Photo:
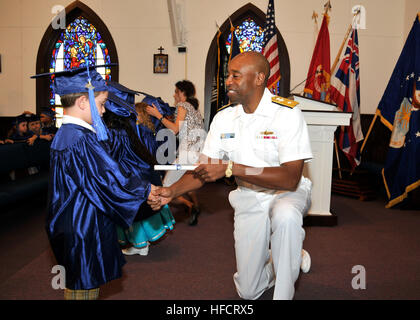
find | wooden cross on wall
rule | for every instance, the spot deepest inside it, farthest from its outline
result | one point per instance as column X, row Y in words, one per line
column 160, row 49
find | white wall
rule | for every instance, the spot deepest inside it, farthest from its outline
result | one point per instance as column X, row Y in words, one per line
column 412, row 7
column 139, row 27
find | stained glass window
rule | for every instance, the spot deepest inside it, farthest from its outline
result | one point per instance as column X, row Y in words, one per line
column 78, row 45
column 250, row 36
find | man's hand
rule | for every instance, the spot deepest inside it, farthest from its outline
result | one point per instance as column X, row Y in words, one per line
column 166, row 195
column 210, row 172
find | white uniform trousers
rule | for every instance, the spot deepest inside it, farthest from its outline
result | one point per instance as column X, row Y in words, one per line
column 263, row 220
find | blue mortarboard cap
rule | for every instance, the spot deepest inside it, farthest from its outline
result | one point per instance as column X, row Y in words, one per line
column 124, row 92
column 21, row 118
column 163, row 107
column 79, row 80
column 48, row 112
column 75, row 80
column 33, row 118
column 120, row 99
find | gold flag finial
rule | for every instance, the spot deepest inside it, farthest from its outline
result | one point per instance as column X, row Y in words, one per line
column 315, row 16
column 327, row 7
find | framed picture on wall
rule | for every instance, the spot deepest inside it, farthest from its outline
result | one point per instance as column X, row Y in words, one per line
column 160, row 63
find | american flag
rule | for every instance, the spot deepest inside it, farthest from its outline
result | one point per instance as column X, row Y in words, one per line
column 270, row 49
column 345, row 93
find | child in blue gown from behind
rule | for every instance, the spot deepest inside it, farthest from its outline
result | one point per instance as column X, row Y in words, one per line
column 89, row 192
column 137, row 157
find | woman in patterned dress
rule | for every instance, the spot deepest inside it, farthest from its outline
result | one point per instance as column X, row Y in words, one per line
column 188, row 125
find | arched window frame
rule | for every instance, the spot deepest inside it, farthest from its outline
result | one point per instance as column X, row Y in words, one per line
column 247, row 11
column 50, row 38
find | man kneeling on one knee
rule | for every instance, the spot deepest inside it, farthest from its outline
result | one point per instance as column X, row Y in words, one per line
column 263, row 141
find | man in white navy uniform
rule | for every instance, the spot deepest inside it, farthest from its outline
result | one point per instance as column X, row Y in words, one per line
column 265, row 140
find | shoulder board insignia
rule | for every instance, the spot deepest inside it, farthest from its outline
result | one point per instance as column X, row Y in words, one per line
column 284, row 102
column 225, row 106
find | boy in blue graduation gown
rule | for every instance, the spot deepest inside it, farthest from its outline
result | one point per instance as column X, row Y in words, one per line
column 88, row 193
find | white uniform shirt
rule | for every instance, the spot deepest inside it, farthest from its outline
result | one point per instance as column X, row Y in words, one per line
column 270, row 136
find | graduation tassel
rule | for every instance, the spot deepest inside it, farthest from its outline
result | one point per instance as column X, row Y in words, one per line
column 137, row 128
column 97, row 122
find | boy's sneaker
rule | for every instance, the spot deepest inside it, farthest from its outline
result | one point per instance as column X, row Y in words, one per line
column 132, row 251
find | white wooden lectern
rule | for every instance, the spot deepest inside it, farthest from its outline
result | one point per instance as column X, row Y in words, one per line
column 322, row 120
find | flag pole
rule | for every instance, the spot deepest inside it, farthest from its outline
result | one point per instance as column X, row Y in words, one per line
column 341, row 48
column 232, row 30
column 368, row 133
column 328, row 7
column 338, row 159
column 218, row 64
column 231, row 25
column 344, row 41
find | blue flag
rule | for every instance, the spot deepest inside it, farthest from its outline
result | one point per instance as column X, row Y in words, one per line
column 399, row 111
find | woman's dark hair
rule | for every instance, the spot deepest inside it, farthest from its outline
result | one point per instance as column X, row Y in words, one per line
column 114, row 121
column 188, row 89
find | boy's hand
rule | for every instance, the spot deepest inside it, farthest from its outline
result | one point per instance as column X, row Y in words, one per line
column 47, row 137
column 153, row 199
column 160, row 197
column 152, row 196
column 31, row 140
